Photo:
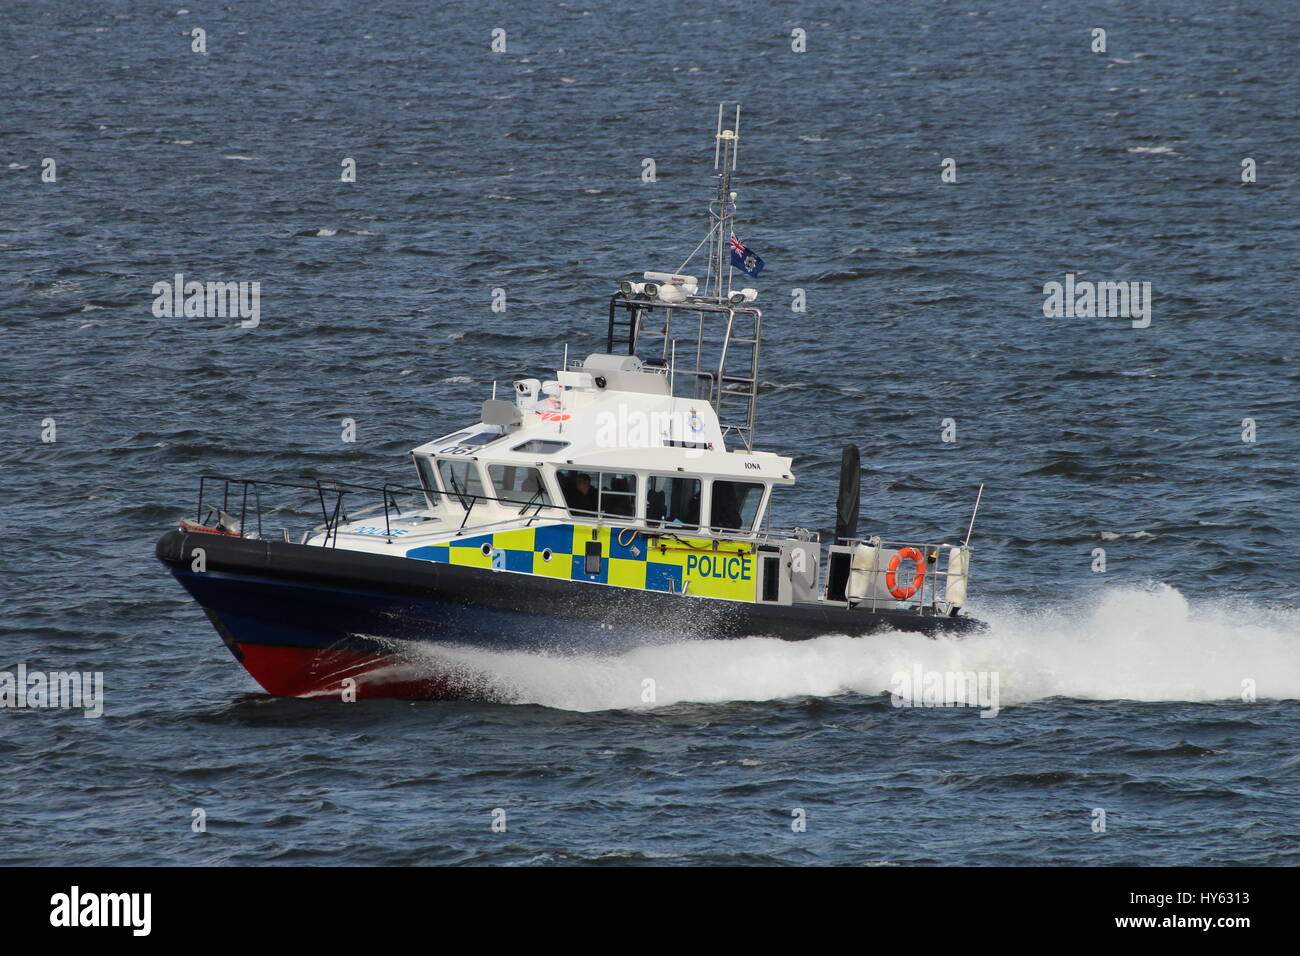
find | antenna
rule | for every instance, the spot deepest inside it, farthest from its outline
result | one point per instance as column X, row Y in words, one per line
column 717, row 142
column 735, row 149
column 973, row 513
column 730, row 381
column 722, row 210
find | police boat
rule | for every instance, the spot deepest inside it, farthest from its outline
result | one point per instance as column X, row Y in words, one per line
column 619, row 503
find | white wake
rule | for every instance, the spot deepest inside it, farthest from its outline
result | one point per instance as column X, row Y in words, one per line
column 1143, row 644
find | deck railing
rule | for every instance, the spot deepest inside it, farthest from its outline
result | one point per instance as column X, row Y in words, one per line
column 241, row 500
column 229, row 504
column 936, row 559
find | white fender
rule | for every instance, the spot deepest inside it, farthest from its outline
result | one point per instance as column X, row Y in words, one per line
column 958, row 573
column 866, row 582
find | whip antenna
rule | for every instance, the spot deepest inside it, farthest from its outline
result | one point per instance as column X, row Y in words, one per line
column 973, row 513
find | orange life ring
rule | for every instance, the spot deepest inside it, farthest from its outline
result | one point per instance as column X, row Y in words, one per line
column 891, row 579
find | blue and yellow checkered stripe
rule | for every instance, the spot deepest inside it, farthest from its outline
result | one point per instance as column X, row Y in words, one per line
column 560, row 551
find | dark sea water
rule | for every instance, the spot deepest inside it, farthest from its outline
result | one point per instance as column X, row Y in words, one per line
column 1121, row 691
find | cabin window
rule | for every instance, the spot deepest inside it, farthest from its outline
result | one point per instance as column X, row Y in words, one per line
column 618, row 494
column 673, row 501
column 521, row 485
column 427, row 480
column 460, row 480
column 735, row 505
column 594, row 492
column 540, row 446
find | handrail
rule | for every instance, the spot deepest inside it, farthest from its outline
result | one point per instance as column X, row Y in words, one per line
column 928, row 594
column 333, row 513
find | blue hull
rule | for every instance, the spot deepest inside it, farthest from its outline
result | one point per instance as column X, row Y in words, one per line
column 304, row 619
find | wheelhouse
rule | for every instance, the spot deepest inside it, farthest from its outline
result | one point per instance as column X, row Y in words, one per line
column 489, row 474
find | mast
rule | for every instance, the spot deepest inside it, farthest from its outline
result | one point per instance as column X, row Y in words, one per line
column 722, row 368
column 722, row 209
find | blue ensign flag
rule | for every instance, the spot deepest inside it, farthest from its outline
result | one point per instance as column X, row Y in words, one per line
column 745, row 259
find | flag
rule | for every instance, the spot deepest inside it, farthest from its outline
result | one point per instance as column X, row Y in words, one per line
column 745, row 259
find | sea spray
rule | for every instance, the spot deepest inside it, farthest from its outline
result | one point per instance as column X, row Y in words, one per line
column 1144, row 644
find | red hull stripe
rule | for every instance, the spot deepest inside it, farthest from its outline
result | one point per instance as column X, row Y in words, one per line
column 308, row 672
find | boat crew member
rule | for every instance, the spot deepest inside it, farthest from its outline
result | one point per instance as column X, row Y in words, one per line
column 582, row 496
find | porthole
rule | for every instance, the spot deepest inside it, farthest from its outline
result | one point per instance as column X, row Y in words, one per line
column 486, row 549
column 546, row 554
